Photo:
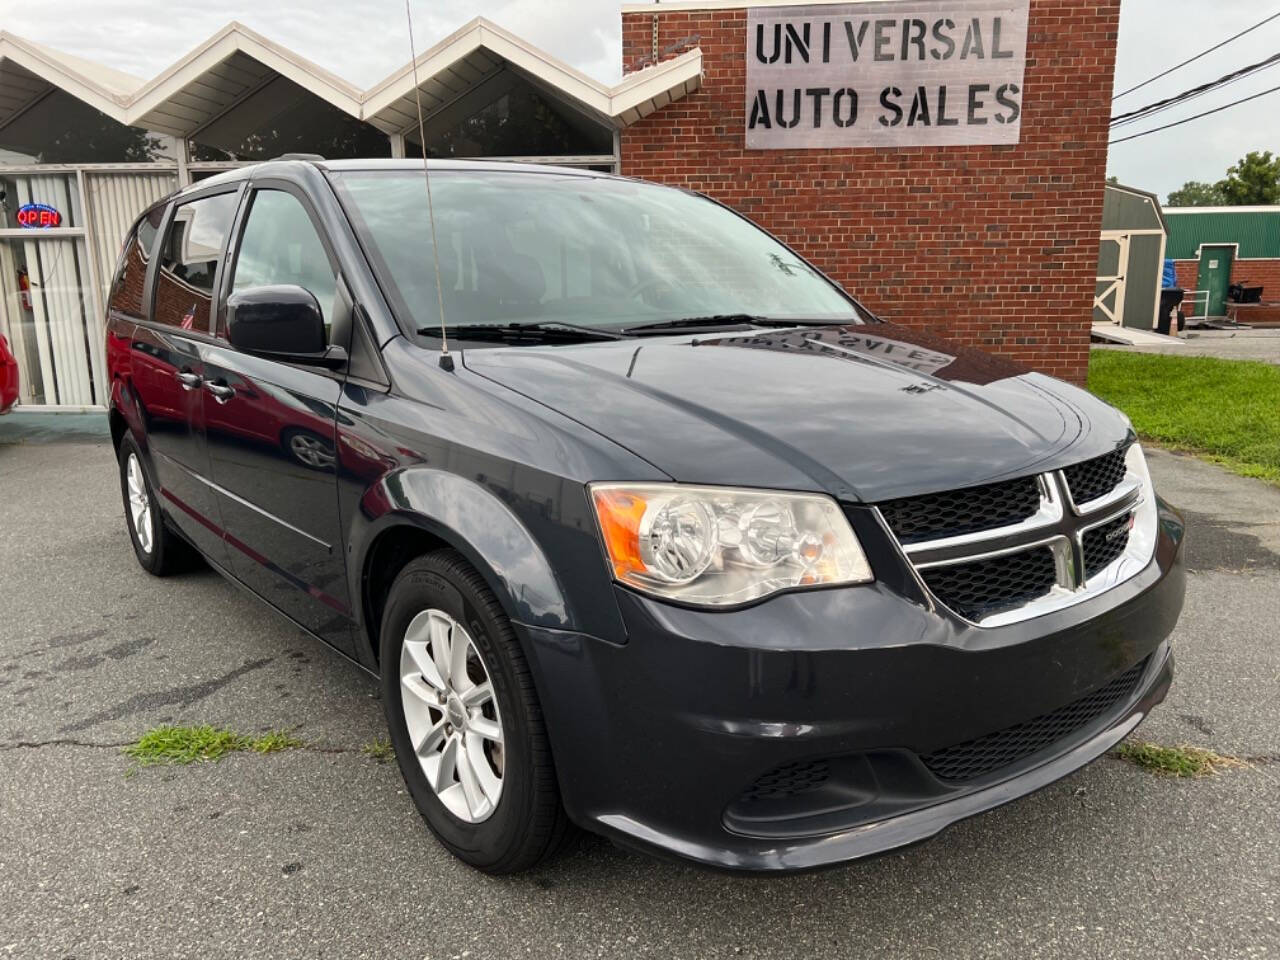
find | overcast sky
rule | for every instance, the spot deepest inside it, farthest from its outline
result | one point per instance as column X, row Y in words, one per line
column 363, row 41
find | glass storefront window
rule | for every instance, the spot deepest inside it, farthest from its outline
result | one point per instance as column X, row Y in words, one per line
column 47, row 319
column 304, row 124
column 519, row 123
column 62, row 129
column 31, row 201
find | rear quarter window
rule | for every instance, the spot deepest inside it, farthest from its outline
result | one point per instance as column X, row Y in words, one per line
column 131, row 275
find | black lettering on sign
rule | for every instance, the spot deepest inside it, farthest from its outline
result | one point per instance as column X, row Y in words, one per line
column 944, row 38
column 883, row 39
column 976, row 104
column 855, row 43
column 843, row 117
column 777, row 43
column 913, row 32
column 826, row 42
column 919, row 109
column 816, row 94
column 1004, row 94
column 760, row 113
column 973, row 41
column 890, row 105
column 943, row 119
column 780, row 113
column 799, row 42
column 996, row 52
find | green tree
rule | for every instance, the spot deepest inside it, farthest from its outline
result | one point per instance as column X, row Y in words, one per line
column 1255, row 179
column 1193, row 193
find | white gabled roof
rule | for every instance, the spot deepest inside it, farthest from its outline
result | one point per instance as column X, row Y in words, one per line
column 222, row 71
column 29, row 70
column 236, row 63
column 481, row 49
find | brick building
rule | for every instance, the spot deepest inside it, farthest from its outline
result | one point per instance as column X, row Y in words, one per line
column 994, row 244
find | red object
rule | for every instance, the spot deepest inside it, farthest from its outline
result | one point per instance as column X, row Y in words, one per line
column 39, row 215
column 8, row 377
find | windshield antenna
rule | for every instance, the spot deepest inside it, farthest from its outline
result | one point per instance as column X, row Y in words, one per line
column 446, row 360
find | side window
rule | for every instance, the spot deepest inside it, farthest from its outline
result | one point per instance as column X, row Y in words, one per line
column 131, row 276
column 280, row 246
column 189, row 261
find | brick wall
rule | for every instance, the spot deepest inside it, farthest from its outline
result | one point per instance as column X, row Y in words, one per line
column 1264, row 273
column 996, row 246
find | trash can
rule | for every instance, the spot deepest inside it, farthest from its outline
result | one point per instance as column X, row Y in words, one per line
column 1170, row 300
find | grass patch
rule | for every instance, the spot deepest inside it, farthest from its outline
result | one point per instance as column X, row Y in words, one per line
column 1183, row 761
column 379, row 750
column 1227, row 411
column 183, row 745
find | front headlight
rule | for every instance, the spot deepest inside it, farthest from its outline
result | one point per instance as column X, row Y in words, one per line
column 1142, row 535
column 719, row 546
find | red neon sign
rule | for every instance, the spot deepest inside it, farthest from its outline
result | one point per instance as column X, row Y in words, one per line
column 39, row 215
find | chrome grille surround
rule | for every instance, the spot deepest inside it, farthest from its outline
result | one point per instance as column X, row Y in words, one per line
column 1060, row 525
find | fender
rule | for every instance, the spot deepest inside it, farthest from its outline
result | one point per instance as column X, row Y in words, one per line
column 475, row 522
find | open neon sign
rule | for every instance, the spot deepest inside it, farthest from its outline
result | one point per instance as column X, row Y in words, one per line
column 39, row 215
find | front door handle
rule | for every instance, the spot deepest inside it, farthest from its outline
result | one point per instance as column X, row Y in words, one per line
column 221, row 392
column 188, row 379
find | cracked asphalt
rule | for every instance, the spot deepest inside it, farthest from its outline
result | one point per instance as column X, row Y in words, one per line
column 319, row 853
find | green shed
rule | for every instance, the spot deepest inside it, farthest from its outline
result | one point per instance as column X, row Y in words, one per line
column 1130, row 258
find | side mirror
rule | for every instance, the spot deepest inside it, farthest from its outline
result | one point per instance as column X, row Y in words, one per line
column 282, row 322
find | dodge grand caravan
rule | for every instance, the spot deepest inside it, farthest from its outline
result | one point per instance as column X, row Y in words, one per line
column 644, row 523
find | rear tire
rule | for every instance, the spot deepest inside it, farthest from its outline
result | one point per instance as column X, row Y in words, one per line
column 159, row 550
column 494, row 803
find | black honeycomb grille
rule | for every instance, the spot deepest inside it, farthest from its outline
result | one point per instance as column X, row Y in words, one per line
column 980, row 587
column 1102, row 545
column 968, row 510
column 1095, row 478
column 976, row 758
column 789, row 780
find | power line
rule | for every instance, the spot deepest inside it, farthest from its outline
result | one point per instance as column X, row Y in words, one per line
column 1191, row 94
column 1178, row 123
column 1202, row 53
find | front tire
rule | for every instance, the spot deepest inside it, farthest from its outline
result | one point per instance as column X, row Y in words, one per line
column 464, row 718
column 159, row 550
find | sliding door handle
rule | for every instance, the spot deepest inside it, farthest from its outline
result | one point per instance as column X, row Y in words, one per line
column 221, row 392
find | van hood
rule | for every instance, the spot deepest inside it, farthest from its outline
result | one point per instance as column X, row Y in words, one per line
column 861, row 412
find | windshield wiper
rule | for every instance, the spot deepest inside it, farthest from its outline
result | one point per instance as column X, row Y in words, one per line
column 726, row 319
column 552, row 329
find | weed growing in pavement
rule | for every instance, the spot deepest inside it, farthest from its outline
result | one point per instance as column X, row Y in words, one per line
column 379, row 750
column 183, row 745
column 1181, row 761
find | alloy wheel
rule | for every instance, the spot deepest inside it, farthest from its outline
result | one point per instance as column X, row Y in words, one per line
column 311, row 451
column 452, row 715
column 139, row 503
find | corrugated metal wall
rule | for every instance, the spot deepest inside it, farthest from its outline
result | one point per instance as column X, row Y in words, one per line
column 1257, row 232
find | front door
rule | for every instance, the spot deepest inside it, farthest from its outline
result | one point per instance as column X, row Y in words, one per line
column 168, row 372
column 1215, row 275
column 271, row 433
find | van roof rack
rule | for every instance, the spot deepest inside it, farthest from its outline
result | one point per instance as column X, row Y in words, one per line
column 298, row 156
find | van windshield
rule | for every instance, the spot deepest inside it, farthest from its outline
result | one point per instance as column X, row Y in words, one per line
column 521, row 248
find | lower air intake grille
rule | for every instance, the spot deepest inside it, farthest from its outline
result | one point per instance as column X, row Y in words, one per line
column 967, row 510
column 980, row 587
column 1103, row 544
column 976, row 758
column 1095, row 478
column 789, row 780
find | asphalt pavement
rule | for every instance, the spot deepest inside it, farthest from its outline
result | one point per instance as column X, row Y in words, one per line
column 318, row 852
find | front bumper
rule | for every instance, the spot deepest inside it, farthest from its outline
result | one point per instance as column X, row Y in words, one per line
column 664, row 742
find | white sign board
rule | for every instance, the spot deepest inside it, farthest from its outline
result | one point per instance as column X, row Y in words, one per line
column 885, row 74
